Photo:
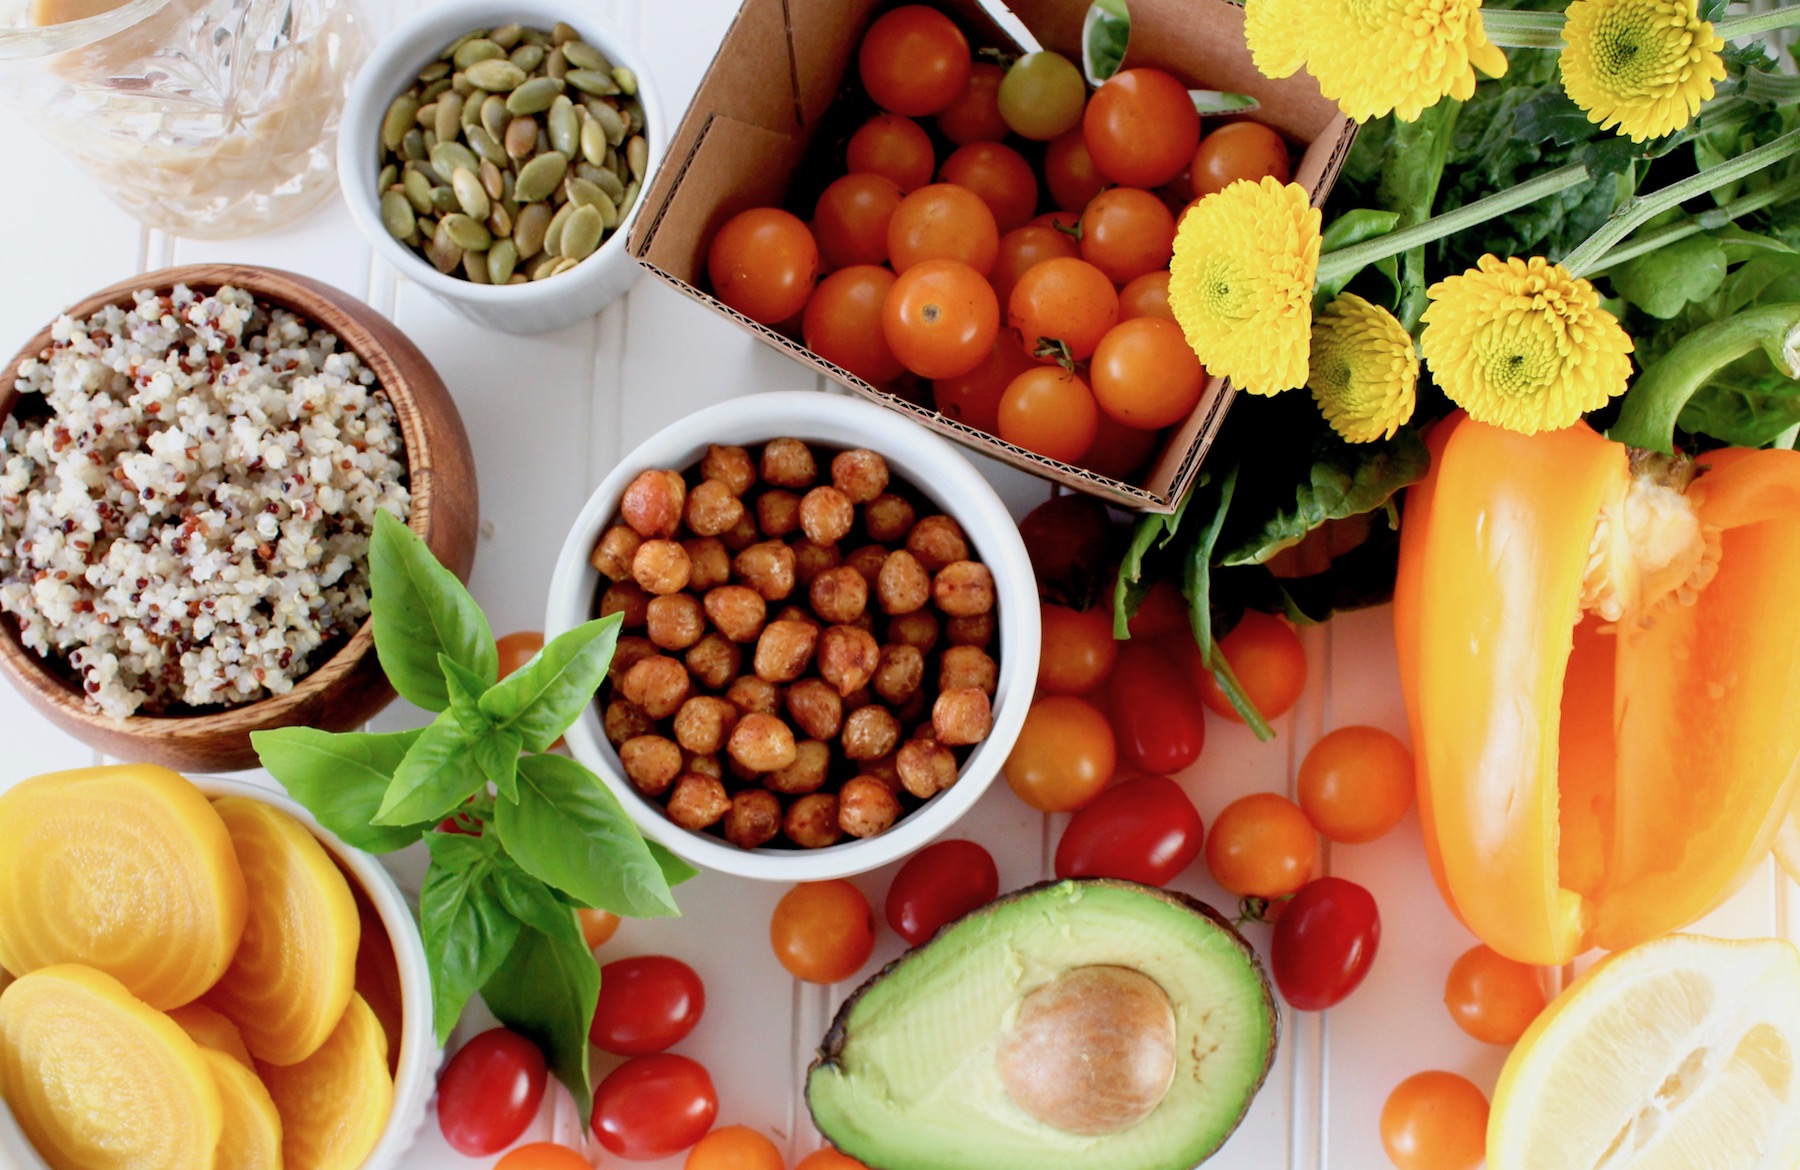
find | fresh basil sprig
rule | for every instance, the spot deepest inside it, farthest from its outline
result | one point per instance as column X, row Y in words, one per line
column 537, row 836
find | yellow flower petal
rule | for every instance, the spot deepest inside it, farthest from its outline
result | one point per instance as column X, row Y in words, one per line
column 1364, row 371
column 1644, row 66
column 1275, row 30
column 1374, row 57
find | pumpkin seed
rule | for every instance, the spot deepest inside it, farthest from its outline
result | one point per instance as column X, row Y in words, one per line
column 605, row 180
column 500, row 222
column 556, row 65
column 584, row 56
column 562, row 34
column 437, row 88
column 563, row 265
column 469, row 193
column 592, row 81
column 389, row 175
column 507, row 36
column 465, row 233
column 397, row 215
column 637, row 156
column 443, row 199
column 565, row 127
column 593, row 141
column 633, row 113
column 443, row 254
column 492, row 181
column 607, row 115
column 521, row 137
column 617, row 160
column 502, row 258
column 398, row 121
column 528, row 57
column 540, row 177
column 427, row 116
column 626, row 200
column 532, row 36
column 554, row 233
column 494, row 116
column 449, row 117
column 529, row 227
column 486, row 146
column 508, row 185
column 542, row 266
column 585, row 194
column 495, row 75
column 461, row 84
column 459, row 42
column 447, row 156
column 625, row 79
column 418, row 191
column 471, row 113
column 534, row 97
column 474, row 266
column 413, row 145
column 519, row 278
column 475, row 51
column 430, row 139
column 434, row 71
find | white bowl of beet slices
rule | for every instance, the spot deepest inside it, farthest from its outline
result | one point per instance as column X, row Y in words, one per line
column 828, row 641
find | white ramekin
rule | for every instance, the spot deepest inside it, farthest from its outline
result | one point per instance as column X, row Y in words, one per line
column 928, row 464
column 416, row 42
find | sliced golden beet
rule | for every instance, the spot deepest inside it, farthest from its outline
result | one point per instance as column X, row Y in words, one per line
column 296, row 966
column 100, row 1080
column 335, row 1103
column 209, row 1029
column 251, row 1138
column 378, row 976
column 126, row 869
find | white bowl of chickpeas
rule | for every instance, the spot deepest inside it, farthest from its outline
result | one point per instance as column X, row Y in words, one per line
column 829, row 635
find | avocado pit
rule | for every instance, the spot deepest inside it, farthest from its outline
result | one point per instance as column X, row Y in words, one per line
column 1092, row 1051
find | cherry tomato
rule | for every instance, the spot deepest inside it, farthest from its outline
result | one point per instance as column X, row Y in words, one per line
column 975, row 114
column 974, row 398
column 1050, row 410
column 890, row 145
column 1239, row 150
column 543, row 1156
column 734, row 1147
column 1024, row 248
column 1070, row 540
column 1145, row 374
column 1064, row 754
column 1324, row 943
column 1042, row 95
column 1491, row 997
column 1127, row 232
column 842, row 323
column 938, row 884
column 823, row 932
column 1146, row 296
column 1068, row 222
column 647, row 1003
column 914, row 61
column 1270, row 664
column 851, row 219
column 1078, row 650
column 940, row 319
column 1000, row 176
column 489, row 1092
column 1120, row 451
column 1062, row 300
column 1141, row 127
column 1435, row 1121
column 763, row 263
column 1356, row 783
column 653, row 1106
column 1161, row 613
column 1262, row 846
column 943, row 222
column 828, row 1159
column 1157, row 720
column 1143, row 830
column 461, row 823
column 1069, row 172
column 517, row 649
column 597, row 926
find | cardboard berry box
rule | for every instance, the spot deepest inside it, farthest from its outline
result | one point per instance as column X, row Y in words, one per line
column 769, row 123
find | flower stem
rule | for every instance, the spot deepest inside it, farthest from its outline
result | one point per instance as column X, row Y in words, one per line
column 1523, row 30
column 1706, row 221
column 1655, row 401
column 1760, row 22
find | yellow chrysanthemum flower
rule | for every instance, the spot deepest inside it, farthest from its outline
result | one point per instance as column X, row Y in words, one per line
column 1364, row 371
column 1644, row 66
column 1275, row 30
column 1523, row 345
column 1241, row 282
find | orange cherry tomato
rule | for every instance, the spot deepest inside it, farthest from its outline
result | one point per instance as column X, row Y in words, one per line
column 1120, row 451
column 940, row 318
column 1145, row 374
column 823, row 932
column 943, row 222
column 1491, row 997
column 1435, row 1121
column 1050, row 410
column 1000, row 176
column 1067, row 222
column 1141, row 127
column 1239, row 150
column 1262, row 846
column 1270, row 664
column 890, row 145
column 542, row 1156
column 1069, row 172
column 914, row 61
column 828, row 1159
column 1146, row 296
column 1126, row 233
column 843, row 322
column 1023, row 249
column 1062, row 300
column 1077, row 650
column 1356, row 783
column 1064, row 754
column 974, row 398
column 851, row 218
column 763, row 263
column 975, row 114
column 518, row 649
column 597, row 926
column 734, row 1147
column 1162, row 612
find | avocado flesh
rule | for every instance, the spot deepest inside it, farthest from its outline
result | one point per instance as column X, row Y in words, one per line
column 907, row 1079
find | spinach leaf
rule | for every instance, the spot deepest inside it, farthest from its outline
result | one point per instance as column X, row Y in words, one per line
column 1351, row 227
column 438, row 773
column 420, row 610
column 341, row 779
column 1344, row 479
column 467, row 930
column 1152, row 529
column 540, row 699
column 547, row 987
column 1104, row 35
column 1665, row 281
column 1196, row 586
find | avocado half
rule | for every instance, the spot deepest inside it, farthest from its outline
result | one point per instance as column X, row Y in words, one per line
column 908, row 1077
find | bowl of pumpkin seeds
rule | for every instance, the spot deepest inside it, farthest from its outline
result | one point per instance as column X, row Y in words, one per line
column 495, row 154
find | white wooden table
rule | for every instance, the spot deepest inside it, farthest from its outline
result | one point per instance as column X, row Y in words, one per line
column 549, row 415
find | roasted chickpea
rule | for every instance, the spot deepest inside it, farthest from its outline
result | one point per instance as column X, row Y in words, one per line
column 867, row 561
column 630, row 650
column 918, row 629
column 778, row 512
column 698, row 802
column 768, row 568
column 711, row 563
column 963, row 589
column 628, row 599
column 730, row 466
column 625, row 720
column 794, row 613
column 761, row 743
column 612, row 556
column 784, row 650
column 899, row 674
column 703, row 723
column 812, row 760
column 703, row 765
column 904, row 585
column 817, row 708
column 754, row 696
column 976, row 629
column 937, row 541
column 741, row 535
column 714, row 660
column 713, row 508
column 848, row 657
column 812, row 821
column 962, row 716
column 915, row 711
column 651, row 763
column 659, row 685
column 826, row 515
column 866, row 807
column 859, row 698
column 860, row 474
column 882, row 768
column 789, row 463
column 968, row 666
column 888, row 518
column 870, row 733
column 652, row 503
column 675, row 622
column 926, row 766
column 736, row 611
column 754, row 818
column 661, row 567
column 839, row 595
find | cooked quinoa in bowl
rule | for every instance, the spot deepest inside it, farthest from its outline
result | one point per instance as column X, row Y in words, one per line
column 187, row 487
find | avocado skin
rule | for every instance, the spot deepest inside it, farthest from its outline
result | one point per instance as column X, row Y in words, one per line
column 831, row 1047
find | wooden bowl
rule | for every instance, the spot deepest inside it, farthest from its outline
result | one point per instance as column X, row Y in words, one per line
column 348, row 688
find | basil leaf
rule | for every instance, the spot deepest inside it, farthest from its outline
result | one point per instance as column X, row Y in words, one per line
column 568, row 831
column 467, row 930
column 1132, row 585
column 341, row 780
column 674, row 870
column 546, row 991
column 465, row 688
column 420, row 610
column 541, row 698
column 497, row 755
column 437, row 774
